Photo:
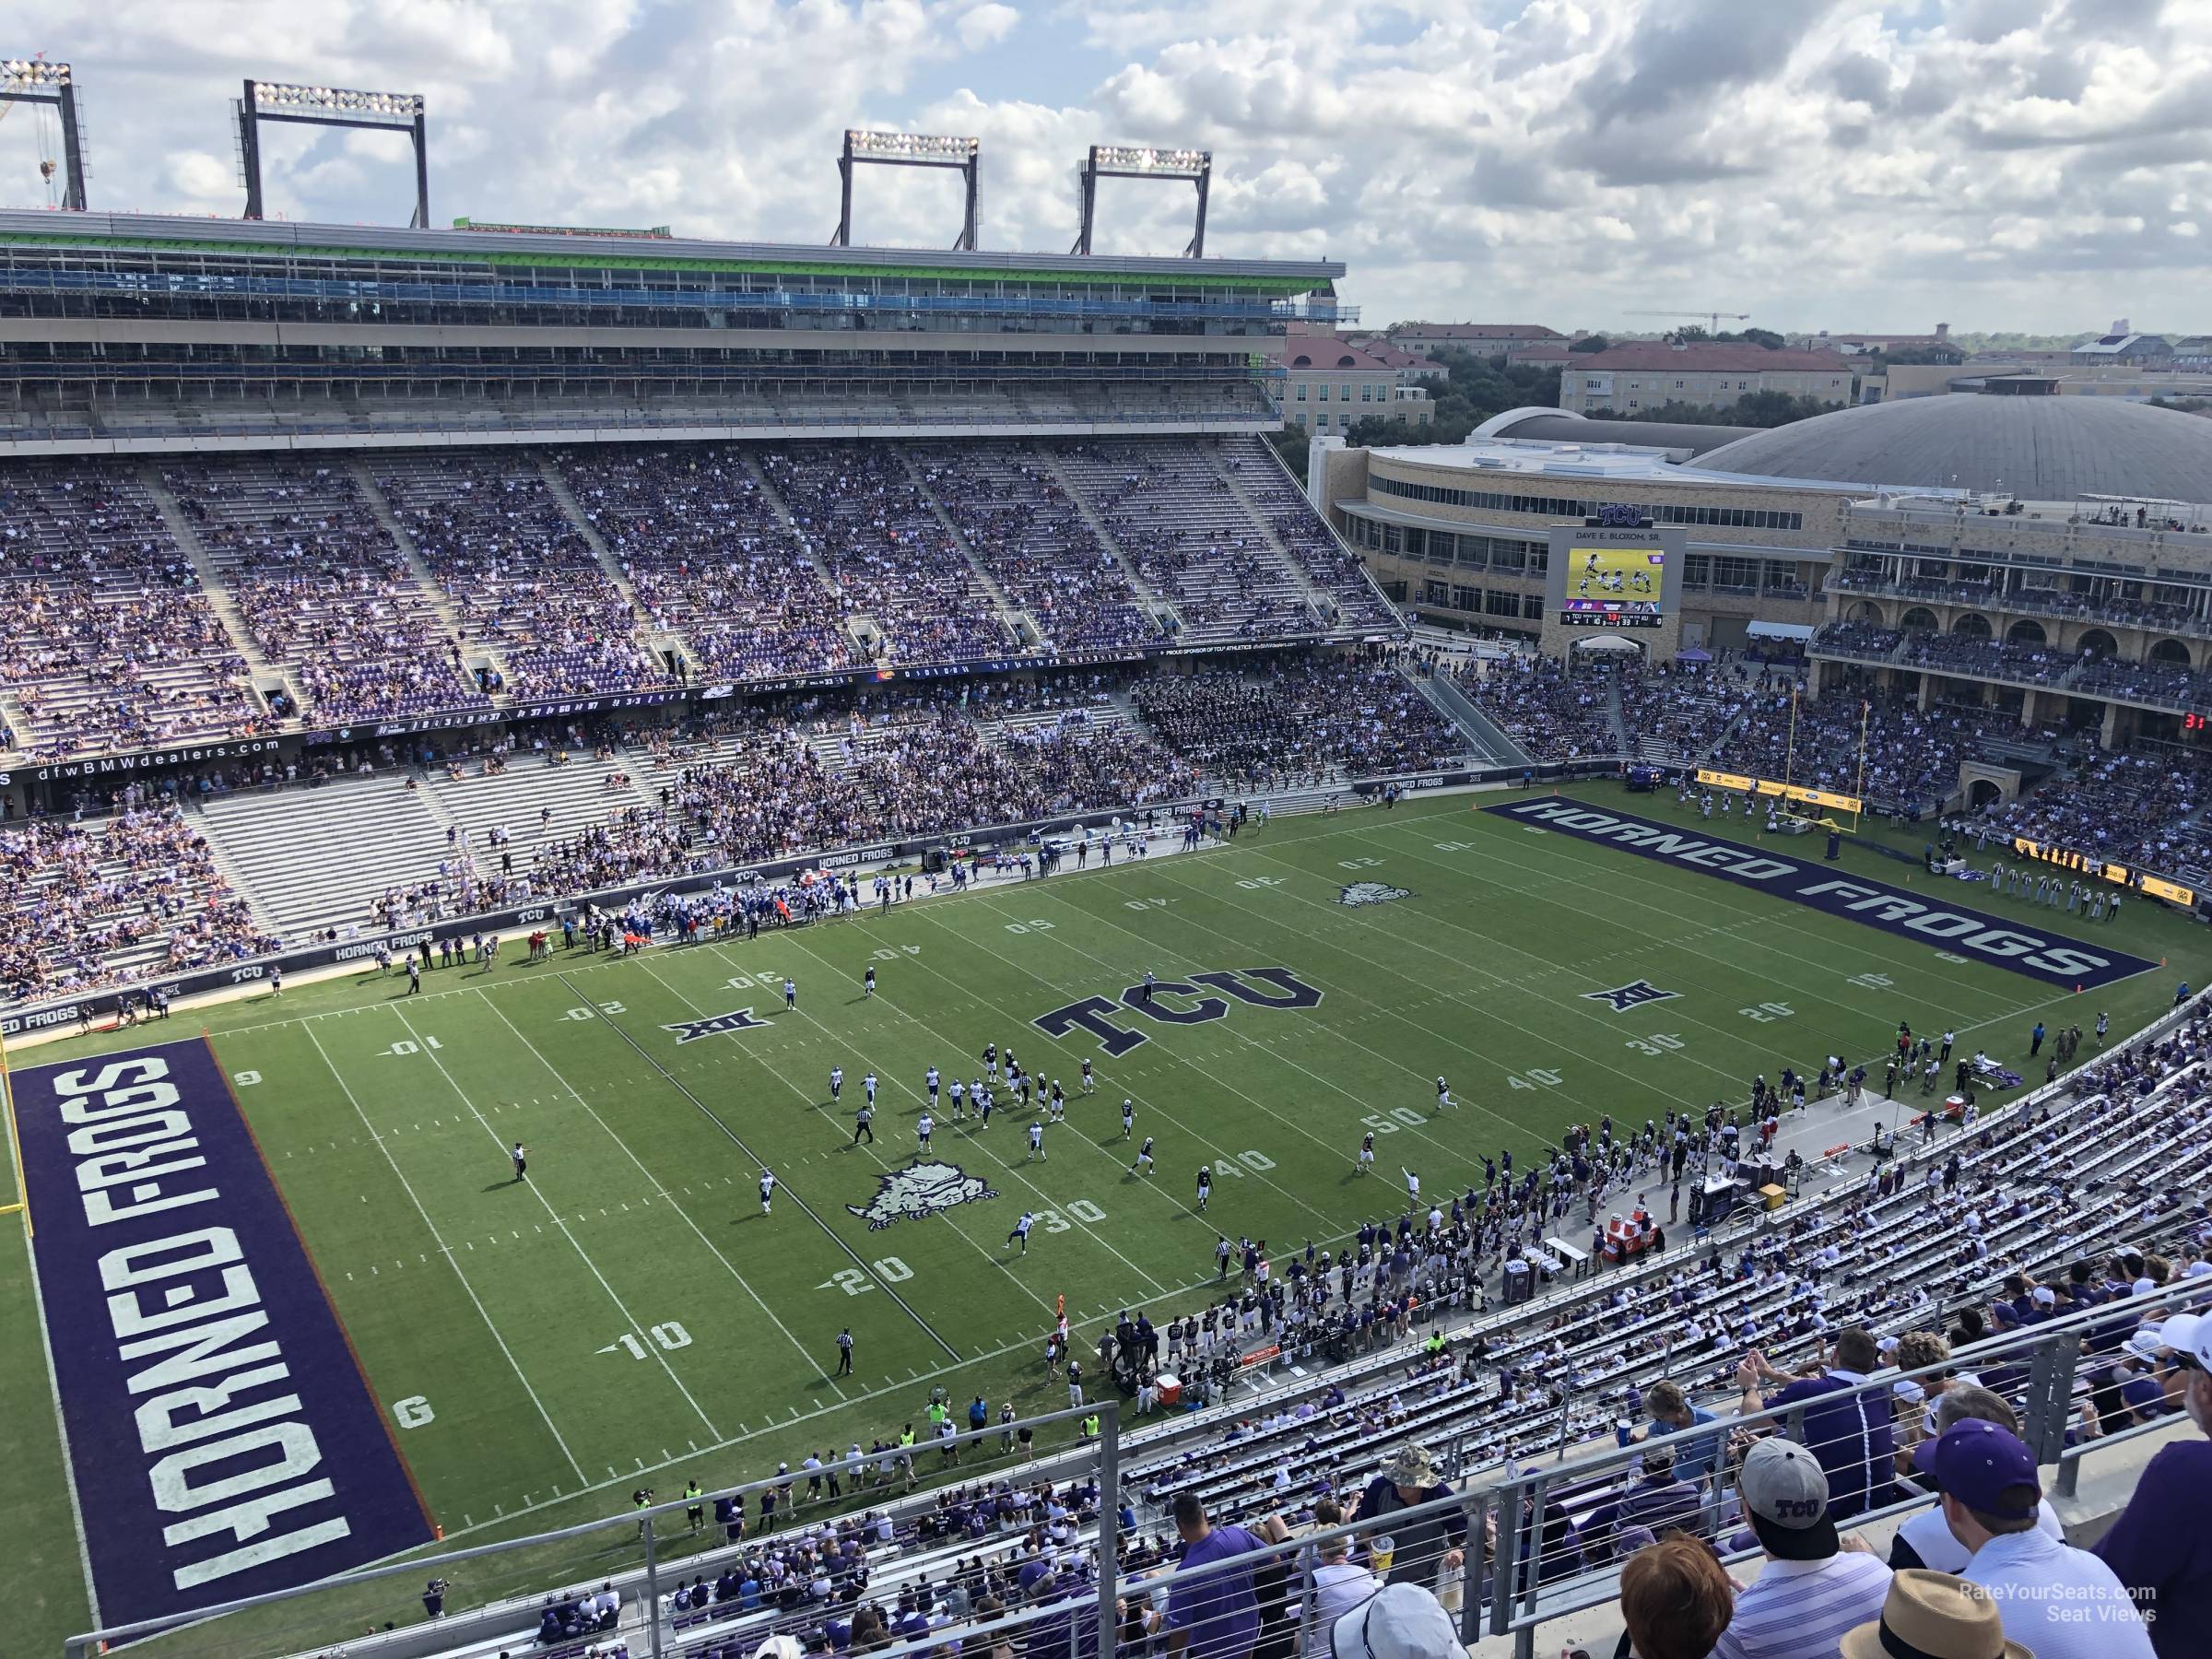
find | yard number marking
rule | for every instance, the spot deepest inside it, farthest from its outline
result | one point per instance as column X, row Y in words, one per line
column 668, row 1335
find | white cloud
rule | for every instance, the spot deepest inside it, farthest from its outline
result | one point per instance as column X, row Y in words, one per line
column 1841, row 163
column 983, row 25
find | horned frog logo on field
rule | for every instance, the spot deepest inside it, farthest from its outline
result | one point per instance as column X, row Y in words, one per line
column 919, row 1190
column 1371, row 892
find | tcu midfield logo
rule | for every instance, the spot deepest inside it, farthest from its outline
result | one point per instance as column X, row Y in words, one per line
column 1177, row 1001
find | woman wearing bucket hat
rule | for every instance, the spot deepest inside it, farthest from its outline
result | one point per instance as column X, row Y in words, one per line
column 1934, row 1616
column 1426, row 1544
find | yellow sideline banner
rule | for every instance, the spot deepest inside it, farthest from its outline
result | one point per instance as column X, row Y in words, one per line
column 1788, row 792
column 2119, row 875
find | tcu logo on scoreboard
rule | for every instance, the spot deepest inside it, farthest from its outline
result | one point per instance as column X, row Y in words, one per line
column 1177, row 1001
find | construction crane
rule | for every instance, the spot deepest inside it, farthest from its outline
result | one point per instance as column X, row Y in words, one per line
column 1713, row 319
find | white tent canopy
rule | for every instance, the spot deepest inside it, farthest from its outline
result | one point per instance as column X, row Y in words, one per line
column 1611, row 643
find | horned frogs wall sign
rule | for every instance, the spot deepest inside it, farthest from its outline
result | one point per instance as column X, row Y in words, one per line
column 919, row 1190
column 1371, row 892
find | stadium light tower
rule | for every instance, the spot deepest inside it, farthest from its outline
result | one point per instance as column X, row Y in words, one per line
column 1134, row 161
column 34, row 80
column 906, row 149
column 330, row 106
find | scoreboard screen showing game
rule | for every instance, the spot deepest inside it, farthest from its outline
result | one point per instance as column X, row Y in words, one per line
column 1623, row 580
column 1614, row 576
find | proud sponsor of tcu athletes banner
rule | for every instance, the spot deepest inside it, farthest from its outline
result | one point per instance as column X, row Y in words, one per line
column 1976, row 935
column 222, row 1439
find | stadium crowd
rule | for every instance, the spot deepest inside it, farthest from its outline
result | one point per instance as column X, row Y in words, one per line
column 1297, row 721
column 111, row 644
column 711, row 558
column 1554, row 711
column 1013, row 510
column 524, row 583
column 322, row 589
column 89, row 907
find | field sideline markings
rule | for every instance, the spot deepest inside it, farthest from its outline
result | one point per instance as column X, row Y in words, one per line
column 583, row 1256
column 1031, row 1343
column 444, row 1250
column 1424, row 1131
column 657, row 1187
column 1575, row 853
column 53, row 1382
column 881, row 1162
column 1572, row 854
column 736, row 1140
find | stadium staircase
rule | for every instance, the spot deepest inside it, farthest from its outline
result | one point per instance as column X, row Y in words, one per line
column 1318, row 605
column 1021, row 622
column 1161, row 607
column 314, row 859
column 800, row 539
column 267, row 676
column 379, row 508
column 657, row 639
column 582, row 790
column 1486, row 736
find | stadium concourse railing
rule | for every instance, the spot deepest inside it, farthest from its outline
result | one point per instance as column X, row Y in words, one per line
column 26, row 1020
column 1521, row 1565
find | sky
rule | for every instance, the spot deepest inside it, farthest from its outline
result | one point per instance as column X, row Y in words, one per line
column 2042, row 165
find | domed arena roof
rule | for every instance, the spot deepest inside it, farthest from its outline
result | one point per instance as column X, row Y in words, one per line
column 2038, row 449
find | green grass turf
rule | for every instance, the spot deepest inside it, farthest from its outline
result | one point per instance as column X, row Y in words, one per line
column 506, row 1305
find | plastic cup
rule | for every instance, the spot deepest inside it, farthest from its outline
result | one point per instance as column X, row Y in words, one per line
column 1382, row 1552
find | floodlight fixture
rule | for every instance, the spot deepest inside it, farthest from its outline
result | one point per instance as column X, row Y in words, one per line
column 281, row 95
column 1144, row 161
column 330, row 106
column 906, row 149
column 35, row 80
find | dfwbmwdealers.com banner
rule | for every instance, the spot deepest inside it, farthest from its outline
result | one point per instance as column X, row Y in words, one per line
column 222, row 1439
column 2056, row 959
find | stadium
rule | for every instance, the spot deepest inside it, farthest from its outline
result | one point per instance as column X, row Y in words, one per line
column 549, row 775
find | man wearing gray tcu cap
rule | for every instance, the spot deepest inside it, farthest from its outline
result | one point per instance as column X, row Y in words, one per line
column 1815, row 1586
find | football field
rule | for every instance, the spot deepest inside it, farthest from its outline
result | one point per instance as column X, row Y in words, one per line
column 526, row 1351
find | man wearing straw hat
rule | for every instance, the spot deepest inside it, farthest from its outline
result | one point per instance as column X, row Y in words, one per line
column 1934, row 1616
column 1426, row 1544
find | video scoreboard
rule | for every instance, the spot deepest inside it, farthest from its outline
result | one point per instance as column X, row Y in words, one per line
column 1616, row 571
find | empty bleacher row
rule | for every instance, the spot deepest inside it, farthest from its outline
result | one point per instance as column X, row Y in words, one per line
column 438, row 580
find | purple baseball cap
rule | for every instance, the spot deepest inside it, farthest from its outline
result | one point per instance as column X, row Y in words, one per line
column 1979, row 1462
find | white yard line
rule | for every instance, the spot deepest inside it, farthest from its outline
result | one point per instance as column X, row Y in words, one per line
column 659, row 1189
column 882, row 1162
column 629, row 1320
column 1013, row 1170
column 451, row 1260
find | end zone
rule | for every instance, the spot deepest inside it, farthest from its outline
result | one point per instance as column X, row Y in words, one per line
column 221, row 1440
column 2055, row 959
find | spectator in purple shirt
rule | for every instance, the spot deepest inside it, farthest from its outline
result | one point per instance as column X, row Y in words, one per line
column 1216, row 1615
column 2160, row 1547
column 1850, row 1434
